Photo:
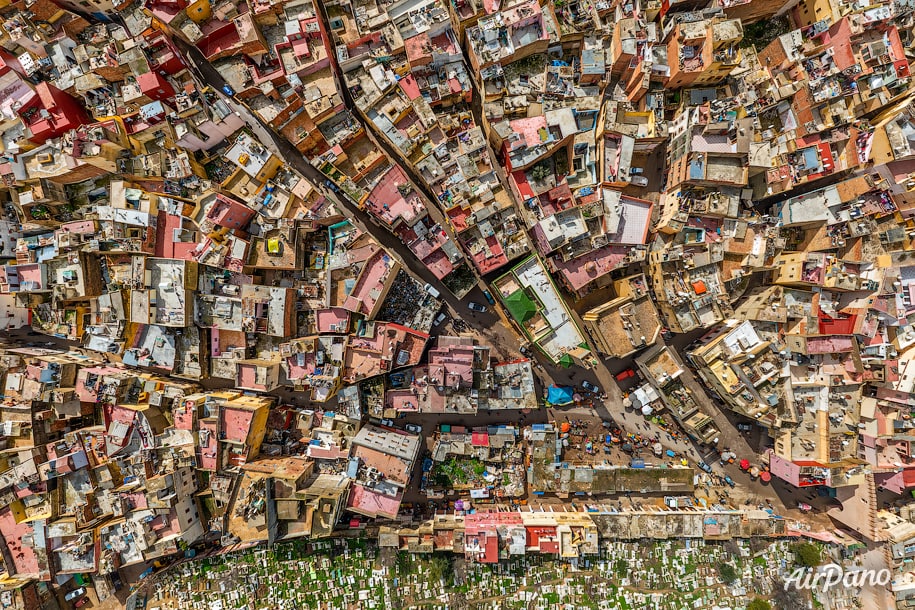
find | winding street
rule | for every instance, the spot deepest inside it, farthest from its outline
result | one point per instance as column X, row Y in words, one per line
column 485, row 324
column 494, row 328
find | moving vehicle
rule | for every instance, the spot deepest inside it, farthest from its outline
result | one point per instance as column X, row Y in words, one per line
column 430, row 289
column 75, row 593
column 228, row 90
column 414, row 428
column 476, row 307
column 489, row 298
column 590, row 387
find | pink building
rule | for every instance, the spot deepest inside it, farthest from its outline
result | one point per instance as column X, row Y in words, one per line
column 229, row 213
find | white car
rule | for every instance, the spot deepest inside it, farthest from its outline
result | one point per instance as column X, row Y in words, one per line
column 387, row 422
column 439, row 319
column 639, row 180
column 414, row 428
column 476, row 307
column 430, row 289
column 75, row 593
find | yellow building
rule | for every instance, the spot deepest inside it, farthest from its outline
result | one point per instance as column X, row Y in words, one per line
column 199, row 11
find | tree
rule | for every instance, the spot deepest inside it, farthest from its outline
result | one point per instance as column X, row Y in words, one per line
column 759, row 604
column 727, row 573
column 789, row 598
column 806, row 554
column 541, row 171
column 761, row 33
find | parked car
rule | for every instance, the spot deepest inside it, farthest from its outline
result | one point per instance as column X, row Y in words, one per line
column 330, row 184
column 489, row 298
column 439, row 319
column 744, row 427
column 590, row 387
column 639, row 180
column 429, row 288
column 476, row 307
column 228, row 90
column 729, row 481
column 622, row 375
column 81, row 602
column 75, row 593
column 387, row 422
column 415, row 429
column 705, row 467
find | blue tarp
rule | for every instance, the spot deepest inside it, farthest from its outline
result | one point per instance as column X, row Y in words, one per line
column 560, row 395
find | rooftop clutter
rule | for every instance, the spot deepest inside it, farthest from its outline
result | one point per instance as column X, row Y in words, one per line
column 661, row 165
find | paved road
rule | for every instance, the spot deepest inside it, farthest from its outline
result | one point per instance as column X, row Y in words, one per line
column 490, row 325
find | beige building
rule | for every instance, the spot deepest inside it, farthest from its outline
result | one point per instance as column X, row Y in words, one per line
column 627, row 323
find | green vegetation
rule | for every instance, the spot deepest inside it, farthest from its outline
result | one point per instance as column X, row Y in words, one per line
column 806, row 554
column 345, row 573
column 459, row 472
column 727, row 572
column 460, row 281
column 440, row 567
column 761, row 33
column 541, row 171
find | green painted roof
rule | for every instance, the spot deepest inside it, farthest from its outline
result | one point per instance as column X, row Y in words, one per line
column 520, row 306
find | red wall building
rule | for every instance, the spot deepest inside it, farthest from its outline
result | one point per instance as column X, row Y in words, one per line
column 51, row 112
